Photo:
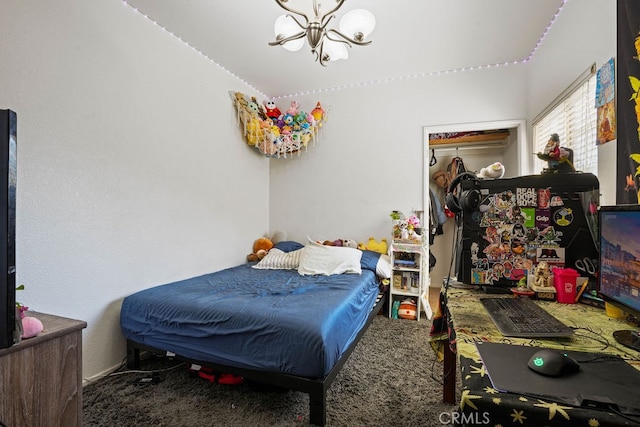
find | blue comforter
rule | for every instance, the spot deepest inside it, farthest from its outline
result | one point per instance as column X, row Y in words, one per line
column 270, row 320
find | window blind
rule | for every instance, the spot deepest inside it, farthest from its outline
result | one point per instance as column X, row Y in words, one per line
column 573, row 117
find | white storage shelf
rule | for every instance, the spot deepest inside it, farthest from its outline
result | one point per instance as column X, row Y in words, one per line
column 407, row 276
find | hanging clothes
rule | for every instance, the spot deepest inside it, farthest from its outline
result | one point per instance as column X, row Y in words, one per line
column 455, row 168
column 437, row 218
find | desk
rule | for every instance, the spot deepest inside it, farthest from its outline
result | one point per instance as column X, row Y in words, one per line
column 461, row 321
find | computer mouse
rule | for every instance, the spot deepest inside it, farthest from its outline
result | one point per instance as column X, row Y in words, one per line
column 553, row 363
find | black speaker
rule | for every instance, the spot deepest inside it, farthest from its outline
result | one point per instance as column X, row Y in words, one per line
column 467, row 200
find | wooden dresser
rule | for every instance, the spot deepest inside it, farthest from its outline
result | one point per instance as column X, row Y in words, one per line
column 41, row 377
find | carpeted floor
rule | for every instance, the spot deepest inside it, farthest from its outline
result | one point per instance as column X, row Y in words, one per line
column 391, row 379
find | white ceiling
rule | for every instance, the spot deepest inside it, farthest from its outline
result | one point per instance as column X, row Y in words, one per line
column 412, row 38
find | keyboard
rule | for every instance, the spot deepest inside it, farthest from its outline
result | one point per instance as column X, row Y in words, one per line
column 521, row 317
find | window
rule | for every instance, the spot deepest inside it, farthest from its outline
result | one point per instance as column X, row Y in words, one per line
column 573, row 117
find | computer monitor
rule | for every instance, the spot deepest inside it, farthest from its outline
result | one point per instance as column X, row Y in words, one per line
column 619, row 259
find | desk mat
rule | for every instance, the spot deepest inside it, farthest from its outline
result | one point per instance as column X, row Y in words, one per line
column 603, row 381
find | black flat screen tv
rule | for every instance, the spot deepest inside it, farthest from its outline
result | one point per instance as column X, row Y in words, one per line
column 619, row 279
column 8, row 164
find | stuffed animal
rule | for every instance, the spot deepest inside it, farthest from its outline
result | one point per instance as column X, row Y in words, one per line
column 494, row 170
column 259, row 108
column 240, row 100
column 31, row 327
column 408, row 309
column 272, row 109
column 349, row 243
column 375, row 246
column 318, row 112
column 254, row 131
column 260, row 248
column 293, row 110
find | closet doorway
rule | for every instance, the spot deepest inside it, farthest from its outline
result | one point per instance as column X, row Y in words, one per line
column 499, row 141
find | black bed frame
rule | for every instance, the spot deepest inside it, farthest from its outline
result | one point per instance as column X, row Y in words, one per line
column 315, row 387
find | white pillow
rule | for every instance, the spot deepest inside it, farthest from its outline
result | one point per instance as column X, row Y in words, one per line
column 328, row 260
column 383, row 267
column 276, row 259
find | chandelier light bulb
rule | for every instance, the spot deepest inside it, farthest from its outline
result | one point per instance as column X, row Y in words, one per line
column 284, row 27
column 358, row 24
column 334, row 51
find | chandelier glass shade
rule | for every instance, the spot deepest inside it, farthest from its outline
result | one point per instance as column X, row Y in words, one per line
column 327, row 44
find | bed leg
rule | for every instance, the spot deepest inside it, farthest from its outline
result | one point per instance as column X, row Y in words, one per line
column 133, row 356
column 318, row 407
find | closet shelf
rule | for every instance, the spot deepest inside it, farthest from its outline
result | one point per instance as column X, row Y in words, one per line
column 471, row 139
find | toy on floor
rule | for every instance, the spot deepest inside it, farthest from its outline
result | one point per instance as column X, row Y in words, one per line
column 212, row 376
column 408, row 309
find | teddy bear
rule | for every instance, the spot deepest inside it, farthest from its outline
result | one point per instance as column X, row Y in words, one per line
column 242, row 105
column 260, row 248
column 264, row 244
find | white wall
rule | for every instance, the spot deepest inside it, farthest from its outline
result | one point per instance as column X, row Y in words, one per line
column 369, row 159
column 584, row 34
column 131, row 170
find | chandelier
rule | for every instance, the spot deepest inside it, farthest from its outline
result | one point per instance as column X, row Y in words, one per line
column 327, row 44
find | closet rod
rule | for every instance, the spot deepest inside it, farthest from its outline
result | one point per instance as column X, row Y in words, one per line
column 469, row 147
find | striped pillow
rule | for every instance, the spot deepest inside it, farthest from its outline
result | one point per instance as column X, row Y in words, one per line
column 276, row 259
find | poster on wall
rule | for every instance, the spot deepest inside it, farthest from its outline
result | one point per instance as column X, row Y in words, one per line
column 628, row 57
column 605, row 102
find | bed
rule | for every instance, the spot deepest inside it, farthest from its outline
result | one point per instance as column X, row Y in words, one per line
column 283, row 321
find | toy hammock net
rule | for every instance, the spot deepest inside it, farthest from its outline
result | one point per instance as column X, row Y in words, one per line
column 275, row 133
